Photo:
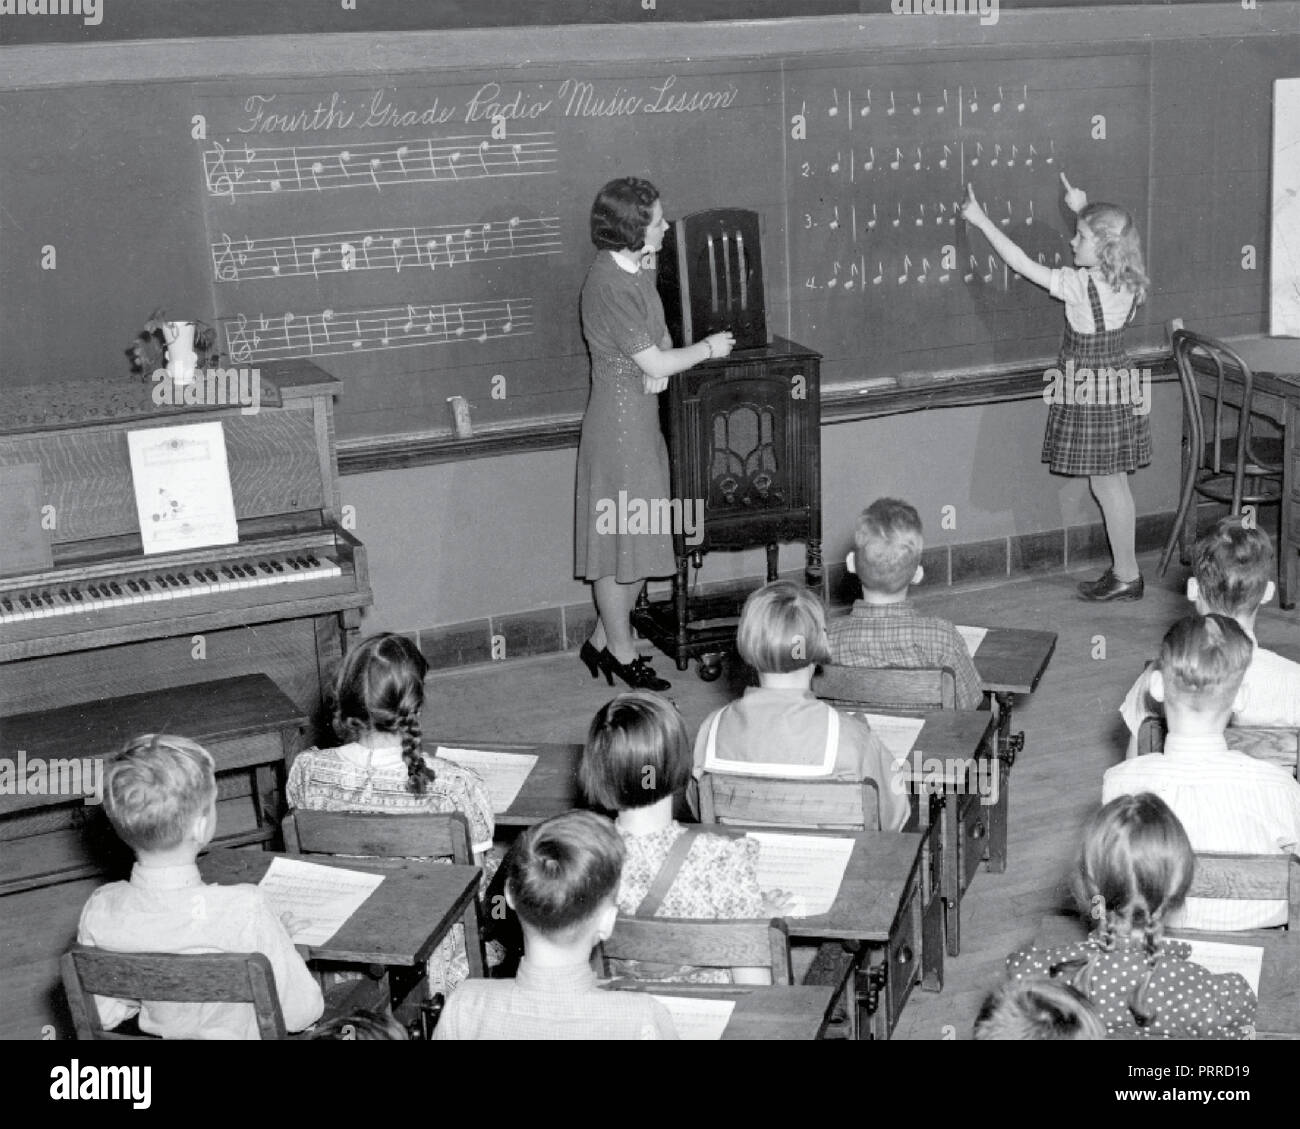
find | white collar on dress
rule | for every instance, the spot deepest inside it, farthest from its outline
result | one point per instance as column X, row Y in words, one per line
column 635, row 269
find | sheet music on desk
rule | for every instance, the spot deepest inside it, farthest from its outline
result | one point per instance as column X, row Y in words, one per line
column 1221, row 957
column 317, row 899
column 897, row 734
column 696, row 1018
column 503, row 773
column 811, row 867
column 972, row 637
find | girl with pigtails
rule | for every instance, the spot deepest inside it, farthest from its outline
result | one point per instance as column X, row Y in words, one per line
column 382, row 766
column 1135, row 871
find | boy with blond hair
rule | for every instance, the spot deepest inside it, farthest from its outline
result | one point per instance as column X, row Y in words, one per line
column 884, row 629
column 1231, row 569
column 160, row 794
column 1227, row 801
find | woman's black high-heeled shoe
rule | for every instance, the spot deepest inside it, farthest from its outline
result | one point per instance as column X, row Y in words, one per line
column 638, row 674
column 591, row 660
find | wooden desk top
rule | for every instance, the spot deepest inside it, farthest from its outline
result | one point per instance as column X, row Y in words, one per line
column 207, row 712
column 1279, row 975
column 795, row 1013
column 1273, row 356
column 1011, row 660
column 551, row 787
column 398, row 924
column 871, row 892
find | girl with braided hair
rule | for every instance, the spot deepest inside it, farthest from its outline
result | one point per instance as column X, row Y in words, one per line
column 382, row 766
column 1135, row 871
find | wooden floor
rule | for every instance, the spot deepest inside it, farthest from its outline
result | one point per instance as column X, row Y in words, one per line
column 1072, row 734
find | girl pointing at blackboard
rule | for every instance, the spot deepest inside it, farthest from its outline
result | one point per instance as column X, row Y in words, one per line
column 1107, row 436
column 622, row 457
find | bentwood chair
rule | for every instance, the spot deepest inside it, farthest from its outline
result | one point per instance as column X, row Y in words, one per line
column 1221, row 461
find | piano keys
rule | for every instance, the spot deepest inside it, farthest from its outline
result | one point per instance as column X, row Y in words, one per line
column 107, row 621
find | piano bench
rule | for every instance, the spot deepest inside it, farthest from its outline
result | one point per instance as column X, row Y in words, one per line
column 248, row 725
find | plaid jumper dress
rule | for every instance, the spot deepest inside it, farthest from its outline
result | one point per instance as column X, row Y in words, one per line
column 1086, row 439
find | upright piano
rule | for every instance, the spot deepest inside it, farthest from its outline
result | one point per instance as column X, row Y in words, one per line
column 107, row 622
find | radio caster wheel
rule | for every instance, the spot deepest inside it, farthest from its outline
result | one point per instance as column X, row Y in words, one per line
column 710, row 668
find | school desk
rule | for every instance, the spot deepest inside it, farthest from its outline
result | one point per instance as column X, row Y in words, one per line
column 246, row 723
column 1009, row 661
column 1275, row 363
column 952, row 770
column 885, row 901
column 398, row 925
column 793, row 1013
column 1278, row 1016
column 550, row 789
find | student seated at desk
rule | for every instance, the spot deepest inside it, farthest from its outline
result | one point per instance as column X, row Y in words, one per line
column 883, row 629
column 1228, row 801
column 1231, row 570
column 378, row 695
column 779, row 728
column 637, row 761
column 160, row 794
column 1038, row 1009
column 1134, row 874
column 562, row 879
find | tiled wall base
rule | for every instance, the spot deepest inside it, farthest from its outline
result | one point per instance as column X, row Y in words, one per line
column 564, row 628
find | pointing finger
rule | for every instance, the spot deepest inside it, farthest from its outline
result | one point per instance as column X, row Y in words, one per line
column 1066, row 183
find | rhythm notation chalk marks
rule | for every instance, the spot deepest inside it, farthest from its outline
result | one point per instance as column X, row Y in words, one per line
column 264, row 337
column 386, row 248
column 248, row 171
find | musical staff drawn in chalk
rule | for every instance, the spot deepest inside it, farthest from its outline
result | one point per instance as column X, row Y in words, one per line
column 386, row 248
column 288, row 335
column 375, row 164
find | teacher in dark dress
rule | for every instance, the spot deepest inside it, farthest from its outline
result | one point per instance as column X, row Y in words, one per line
column 622, row 457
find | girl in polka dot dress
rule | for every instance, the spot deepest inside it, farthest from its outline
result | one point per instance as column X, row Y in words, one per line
column 1136, row 869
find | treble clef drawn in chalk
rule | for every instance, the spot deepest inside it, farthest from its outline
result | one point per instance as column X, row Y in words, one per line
column 226, row 266
column 240, row 347
column 220, row 181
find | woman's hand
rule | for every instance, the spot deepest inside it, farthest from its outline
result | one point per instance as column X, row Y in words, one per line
column 1076, row 199
column 971, row 211
column 652, row 385
column 721, row 344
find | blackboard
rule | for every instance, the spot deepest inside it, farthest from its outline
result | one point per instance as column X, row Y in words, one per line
column 152, row 190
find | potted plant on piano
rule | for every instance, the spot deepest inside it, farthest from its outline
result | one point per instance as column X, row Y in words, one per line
column 180, row 349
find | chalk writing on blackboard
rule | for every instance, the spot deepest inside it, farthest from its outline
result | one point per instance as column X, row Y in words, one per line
column 385, row 248
column 373, row 164
column 262, row 337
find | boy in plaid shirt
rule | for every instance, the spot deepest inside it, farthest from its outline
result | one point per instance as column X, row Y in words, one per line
column 884, row 629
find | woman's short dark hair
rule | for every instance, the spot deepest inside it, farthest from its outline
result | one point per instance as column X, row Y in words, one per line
column 621, row 213
column 638, row 752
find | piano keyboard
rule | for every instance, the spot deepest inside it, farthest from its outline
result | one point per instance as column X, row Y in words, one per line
column 152, row 586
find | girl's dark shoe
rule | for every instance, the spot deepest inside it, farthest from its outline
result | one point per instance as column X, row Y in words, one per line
column 1110, row 587
column 591, row 660
column 638, row 674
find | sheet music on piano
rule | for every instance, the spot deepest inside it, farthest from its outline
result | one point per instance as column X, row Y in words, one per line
column 182, row 487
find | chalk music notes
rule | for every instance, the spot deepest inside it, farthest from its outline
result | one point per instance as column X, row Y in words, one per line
column 389, row 248
column 333, row 332
column 375, row 164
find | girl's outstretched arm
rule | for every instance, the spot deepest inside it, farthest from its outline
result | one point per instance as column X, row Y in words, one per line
column 1011, row 254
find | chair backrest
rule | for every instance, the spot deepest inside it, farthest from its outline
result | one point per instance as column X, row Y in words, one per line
column 705, row 944
column 1277, row 745
column 1263, row 878
column 1218, row 360
column 226, row 978
column 432, row 835
column 887, row 687
column 828, row 804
